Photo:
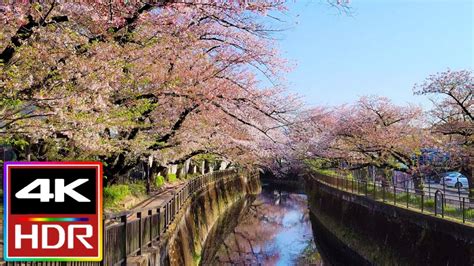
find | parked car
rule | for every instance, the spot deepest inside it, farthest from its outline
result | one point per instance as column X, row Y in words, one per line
column 455, row 179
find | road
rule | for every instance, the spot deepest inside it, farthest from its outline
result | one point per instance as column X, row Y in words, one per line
column 447, row 191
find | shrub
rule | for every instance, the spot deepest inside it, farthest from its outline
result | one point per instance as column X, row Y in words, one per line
column 350, row 176
column 171, row 178
column 469, row 214
column 429, row 203
column 137, row 189
column 327, row 172
column 449, row 210
column 159, row 181
column 115, row 193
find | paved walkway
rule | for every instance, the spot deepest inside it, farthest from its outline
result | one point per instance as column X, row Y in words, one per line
column 159, row 197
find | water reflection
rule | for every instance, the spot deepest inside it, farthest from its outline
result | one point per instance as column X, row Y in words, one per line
column 275, row 230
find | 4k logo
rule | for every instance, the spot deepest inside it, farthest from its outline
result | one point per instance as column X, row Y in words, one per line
column 53, row 211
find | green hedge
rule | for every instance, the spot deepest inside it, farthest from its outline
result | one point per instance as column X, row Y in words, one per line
column 159, row 181
column 171, row 178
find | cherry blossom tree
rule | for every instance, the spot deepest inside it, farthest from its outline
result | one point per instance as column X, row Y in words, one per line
column 371, row 132
column 122, row 82
column 453, row 114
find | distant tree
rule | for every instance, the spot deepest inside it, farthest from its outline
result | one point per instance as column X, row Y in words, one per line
column 452, row 94
column 371, row 132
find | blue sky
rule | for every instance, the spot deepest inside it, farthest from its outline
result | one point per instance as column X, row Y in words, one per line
column 383, row 47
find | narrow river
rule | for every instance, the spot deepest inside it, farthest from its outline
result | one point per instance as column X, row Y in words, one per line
column 271, row 229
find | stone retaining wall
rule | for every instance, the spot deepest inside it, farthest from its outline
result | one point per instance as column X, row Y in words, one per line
column 383, row 234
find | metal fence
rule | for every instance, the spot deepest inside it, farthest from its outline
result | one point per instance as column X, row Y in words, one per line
column 128, row 233
column 444, row 202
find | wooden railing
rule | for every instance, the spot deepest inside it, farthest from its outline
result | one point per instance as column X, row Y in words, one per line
column 128, row 233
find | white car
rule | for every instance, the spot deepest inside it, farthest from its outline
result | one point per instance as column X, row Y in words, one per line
column 455, row 179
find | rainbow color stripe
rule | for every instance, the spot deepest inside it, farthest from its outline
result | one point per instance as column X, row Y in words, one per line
column 45, row 219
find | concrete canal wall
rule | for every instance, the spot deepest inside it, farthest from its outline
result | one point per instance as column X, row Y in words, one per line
column 365, row 231
column 183, row 242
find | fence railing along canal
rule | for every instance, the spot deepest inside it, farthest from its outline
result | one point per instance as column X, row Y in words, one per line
column 128, row 233
column 438, row 202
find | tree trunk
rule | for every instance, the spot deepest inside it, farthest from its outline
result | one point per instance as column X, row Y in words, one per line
column 418, row 183
column 148, row 178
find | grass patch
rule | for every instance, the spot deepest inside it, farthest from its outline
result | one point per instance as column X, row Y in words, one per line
column 429, row 203
column 411, row 200
column 327, row 172
column 469, row 214
column 114, row 195
column 193, row 175
column 137, row 189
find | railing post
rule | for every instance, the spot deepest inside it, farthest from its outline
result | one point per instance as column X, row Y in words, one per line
column 459, row 194
column 394, row 194
column 123, row 219
column 383, row 193
column 150, row 215
column 158, row 211
column 375, row 191
column 444, row 187
column 408, row 195
column 366, row 187
column 167, row 211
column 422, row 201
column 429, row 190
column 176, row 204
column 165, row 215
column 172, row 209
column 463, row 210
column 140, row 233
column 442, row 208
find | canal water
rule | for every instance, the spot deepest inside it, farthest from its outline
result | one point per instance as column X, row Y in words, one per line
column 272, row 228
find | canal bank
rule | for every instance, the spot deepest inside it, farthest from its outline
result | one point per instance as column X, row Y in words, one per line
column 366, row 231
column 183, row 242
column 238, row 221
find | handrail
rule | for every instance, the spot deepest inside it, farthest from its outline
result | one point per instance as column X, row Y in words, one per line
column 128, row 237
column 150, row 223
column 452, row 206
column 115, row 215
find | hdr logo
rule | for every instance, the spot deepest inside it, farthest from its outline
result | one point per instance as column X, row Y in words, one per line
column 52, row 211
